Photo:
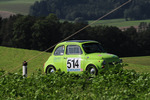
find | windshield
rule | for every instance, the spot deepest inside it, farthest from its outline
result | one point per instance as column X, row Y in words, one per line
column 92, row 48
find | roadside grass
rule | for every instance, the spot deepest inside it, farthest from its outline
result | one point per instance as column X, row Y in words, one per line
column 16, row 6
column 11, row 60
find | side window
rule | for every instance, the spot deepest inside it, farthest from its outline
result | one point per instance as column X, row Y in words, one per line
column 59, row 50
column 73, row 49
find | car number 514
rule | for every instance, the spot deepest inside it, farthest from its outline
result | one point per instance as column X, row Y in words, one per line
column 73, row 64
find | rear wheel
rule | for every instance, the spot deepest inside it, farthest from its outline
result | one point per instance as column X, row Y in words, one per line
column 91, row 69
column 50, row 69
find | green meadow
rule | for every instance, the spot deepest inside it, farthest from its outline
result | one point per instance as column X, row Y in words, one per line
column 139, row 64
column 16, row 6
column 11, row 60
column 109, row 85
column 118, row 22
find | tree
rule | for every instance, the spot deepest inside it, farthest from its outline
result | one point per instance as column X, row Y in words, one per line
column 22, row 34
column 7, row 30
column 138, row 10
column 45, row 32
column 144, row 42
column 40, row 7
column 71, row 9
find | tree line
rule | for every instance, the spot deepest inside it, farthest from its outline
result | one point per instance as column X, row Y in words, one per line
column 91, row 9
column 39, row 33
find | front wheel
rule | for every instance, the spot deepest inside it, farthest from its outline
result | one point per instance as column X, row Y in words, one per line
column 50, row 69
column 91, row 69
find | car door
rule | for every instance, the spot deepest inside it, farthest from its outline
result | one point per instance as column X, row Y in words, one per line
column 73, row 60
column 58, row 57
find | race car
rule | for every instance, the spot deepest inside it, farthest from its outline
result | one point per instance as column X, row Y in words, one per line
column 76, row 56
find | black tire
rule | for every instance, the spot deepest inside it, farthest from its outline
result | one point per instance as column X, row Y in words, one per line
column 50, row 69
column 91, row 69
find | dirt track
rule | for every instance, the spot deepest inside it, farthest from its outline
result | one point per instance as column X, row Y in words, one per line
column 6, row 14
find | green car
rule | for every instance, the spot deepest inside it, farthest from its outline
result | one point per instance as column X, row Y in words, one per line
column 76, row 56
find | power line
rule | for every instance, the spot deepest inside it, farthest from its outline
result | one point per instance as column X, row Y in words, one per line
column 75, row 32
column 81, row 29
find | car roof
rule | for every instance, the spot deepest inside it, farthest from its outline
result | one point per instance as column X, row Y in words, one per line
column 76, row 42
column 81, row 41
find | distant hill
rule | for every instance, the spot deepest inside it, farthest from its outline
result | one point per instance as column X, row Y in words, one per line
column 71, row 9
column 92, row 9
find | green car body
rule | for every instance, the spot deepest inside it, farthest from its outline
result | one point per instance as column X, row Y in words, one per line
column 76, row 56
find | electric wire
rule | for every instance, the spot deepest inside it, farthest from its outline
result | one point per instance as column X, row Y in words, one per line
column 73, row 34
column 81, row 29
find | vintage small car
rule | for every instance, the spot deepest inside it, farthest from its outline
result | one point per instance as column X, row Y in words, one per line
column 79, row 55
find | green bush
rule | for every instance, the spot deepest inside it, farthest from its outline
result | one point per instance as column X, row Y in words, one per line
column 110, row 85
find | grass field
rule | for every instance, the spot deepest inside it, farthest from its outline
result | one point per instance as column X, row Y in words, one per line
column 11, row 60
column 139, row 64
column 16, row 6
column 119, row 22
column 125, row 85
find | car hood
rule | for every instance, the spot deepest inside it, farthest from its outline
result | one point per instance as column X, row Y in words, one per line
column 104, row 56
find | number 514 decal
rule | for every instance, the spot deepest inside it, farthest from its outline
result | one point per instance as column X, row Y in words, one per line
column 73, row 64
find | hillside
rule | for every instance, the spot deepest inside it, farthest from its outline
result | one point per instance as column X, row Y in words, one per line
column 92, row 9
column 16, row 6
column 11, row 7
column 70, row 10
column 11, row 60
column 109, row 85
